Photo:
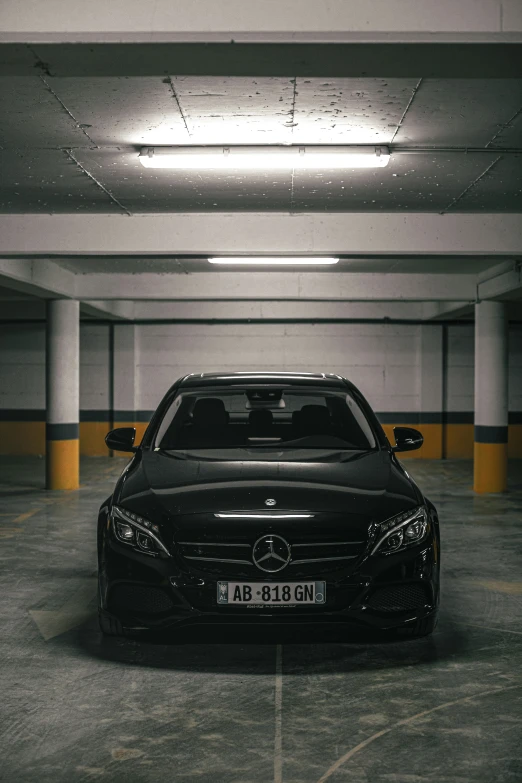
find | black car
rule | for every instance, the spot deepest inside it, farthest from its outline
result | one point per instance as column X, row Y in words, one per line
column 267, row 498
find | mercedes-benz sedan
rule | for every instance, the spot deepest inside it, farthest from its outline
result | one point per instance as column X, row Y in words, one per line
column 266, row 498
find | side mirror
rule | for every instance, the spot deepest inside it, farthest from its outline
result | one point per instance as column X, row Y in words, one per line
column 407, row 439
column 121, row 439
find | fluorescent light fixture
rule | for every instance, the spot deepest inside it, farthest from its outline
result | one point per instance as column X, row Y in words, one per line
column 263, row 158
column 271, row 261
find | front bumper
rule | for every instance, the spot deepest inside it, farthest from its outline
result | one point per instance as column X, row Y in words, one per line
column 382, row 592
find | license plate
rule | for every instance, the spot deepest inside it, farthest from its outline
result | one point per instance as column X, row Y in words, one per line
column 270, row 593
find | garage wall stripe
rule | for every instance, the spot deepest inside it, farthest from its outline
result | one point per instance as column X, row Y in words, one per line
column 450, row 435
column 449, row 417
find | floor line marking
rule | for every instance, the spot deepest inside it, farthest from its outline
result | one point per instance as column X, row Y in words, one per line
column 278, row 740
column 404, row 722
column 22, row 517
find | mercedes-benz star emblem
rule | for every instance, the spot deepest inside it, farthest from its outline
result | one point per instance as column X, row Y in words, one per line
column 271, row 553
column 270, row 502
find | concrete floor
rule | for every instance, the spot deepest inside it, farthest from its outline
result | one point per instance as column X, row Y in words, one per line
column 256, row 707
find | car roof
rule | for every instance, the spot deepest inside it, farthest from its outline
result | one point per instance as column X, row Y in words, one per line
column 263, row 378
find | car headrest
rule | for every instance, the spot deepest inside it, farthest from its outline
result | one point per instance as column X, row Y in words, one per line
column 260, row 420
column 314, row 419
column 210, row 412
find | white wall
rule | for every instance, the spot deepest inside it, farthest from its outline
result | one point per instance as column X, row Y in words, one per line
column 22, row 366
column 94, row 367
column 381, row 359
column 460, row 362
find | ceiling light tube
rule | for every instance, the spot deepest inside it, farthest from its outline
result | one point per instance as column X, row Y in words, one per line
column 271, row 261
column 267, row 157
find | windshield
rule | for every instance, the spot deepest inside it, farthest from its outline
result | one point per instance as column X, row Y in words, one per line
column 264, row 418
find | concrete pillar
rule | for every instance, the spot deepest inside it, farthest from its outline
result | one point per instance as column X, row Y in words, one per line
column 63, row 394
column 491, row 397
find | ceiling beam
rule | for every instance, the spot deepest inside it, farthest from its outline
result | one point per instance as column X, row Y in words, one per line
column 204, row 20
column 441, row 311
column 42, row 278
column 449, row 60
column 112, row 310
column 282, row 286
column 505, row 285
column 276, row 311
column 230, row 233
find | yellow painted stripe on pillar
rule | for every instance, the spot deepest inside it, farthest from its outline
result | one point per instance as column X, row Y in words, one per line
column 490, row 467
column 63, row 464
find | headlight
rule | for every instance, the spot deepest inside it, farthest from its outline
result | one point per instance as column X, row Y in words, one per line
column 136, row 531
column 401, row 531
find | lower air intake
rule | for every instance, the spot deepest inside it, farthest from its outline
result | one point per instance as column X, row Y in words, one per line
column 134, row 598
column 398, row 598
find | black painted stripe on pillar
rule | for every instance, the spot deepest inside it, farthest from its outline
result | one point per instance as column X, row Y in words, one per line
column 484, row 434
column 62, row 431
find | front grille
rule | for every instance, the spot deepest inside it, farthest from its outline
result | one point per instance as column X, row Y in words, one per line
column 217, row 552
column 229, row 558
column 322, row 551
column 398, row 598
column 135, row 598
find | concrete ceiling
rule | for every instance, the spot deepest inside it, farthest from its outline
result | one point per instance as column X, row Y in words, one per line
column 73, row 118
column 70, row 143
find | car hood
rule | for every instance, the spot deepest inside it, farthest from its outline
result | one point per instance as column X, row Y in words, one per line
column 372, row 483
